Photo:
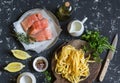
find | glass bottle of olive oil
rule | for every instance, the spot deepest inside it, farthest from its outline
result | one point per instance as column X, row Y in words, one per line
column 64, row 11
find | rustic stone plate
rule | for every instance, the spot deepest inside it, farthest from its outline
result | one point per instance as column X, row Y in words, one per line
column 94, row 67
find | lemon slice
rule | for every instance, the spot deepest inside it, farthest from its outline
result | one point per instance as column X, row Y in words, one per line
column 14, row 67
column 20, row 54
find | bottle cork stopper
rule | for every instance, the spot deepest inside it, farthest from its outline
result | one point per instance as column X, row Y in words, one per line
column 67, row 4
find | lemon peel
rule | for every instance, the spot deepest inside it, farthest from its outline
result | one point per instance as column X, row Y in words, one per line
column 14, row 67
column 19, row 54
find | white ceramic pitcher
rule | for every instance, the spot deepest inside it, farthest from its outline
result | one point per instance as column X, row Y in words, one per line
column 76, row 27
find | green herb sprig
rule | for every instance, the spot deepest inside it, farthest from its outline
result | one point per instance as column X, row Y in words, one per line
column 47, row 77
column 96, row 43
column 23, row 38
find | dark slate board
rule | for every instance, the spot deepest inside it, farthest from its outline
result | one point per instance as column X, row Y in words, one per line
column 103, row 15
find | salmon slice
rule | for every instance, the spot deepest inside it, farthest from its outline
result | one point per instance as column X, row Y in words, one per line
column 28, row 21
column 40, row 17
column 44, row 22
column 42, row 35
column 47, row 33
column 35, row 28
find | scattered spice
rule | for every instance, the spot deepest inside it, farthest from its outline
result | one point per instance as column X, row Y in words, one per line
column 40, row 64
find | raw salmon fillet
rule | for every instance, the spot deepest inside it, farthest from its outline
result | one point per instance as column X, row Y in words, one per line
column 42, row 35
column 28, row 21
column 44, row 22
column 38, row 26
column 40, row 17
column 35, row 28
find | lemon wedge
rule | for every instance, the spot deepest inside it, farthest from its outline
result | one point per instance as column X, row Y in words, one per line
column 20, row 54
column 14, row 67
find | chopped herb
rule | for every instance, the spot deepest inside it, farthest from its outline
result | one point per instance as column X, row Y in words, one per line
column 96, row 43
column 23, row 38
column 47, row 77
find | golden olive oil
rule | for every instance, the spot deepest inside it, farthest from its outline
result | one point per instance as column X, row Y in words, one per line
column 64, row 11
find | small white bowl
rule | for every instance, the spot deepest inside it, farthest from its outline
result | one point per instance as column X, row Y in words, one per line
column 43, row 59
column 26, row 77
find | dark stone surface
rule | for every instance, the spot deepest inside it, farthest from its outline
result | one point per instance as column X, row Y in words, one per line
column 103, row 15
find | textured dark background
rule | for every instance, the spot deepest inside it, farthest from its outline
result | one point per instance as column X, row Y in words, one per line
column 103, row 15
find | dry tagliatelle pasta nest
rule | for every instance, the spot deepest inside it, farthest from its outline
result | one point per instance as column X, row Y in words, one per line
column 72, row 64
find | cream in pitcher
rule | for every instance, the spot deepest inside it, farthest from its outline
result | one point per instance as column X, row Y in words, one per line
column 76, row 27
